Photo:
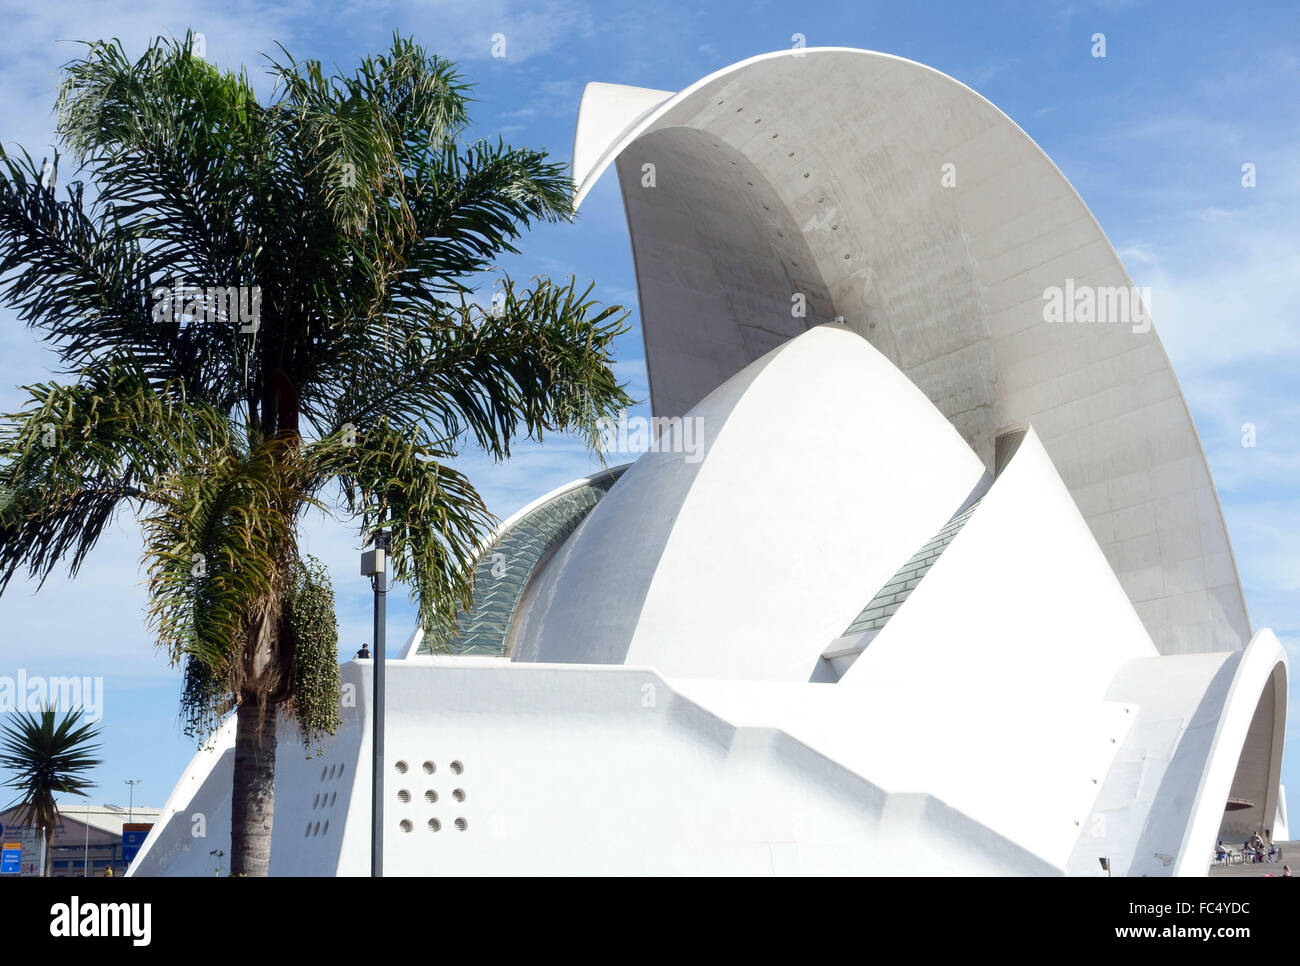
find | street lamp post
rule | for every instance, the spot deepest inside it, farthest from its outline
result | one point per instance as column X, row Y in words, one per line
column 130, row 808
column 374, row 565
column 130, row 815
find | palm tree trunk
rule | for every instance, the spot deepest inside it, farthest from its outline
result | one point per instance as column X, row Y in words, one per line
column 252, row 806
column 267, row 680
column 48, row 870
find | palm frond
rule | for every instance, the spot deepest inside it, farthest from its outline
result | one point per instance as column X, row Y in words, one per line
column 392, row 478
column 219, row 539
column 76, row 453
column 539, row 359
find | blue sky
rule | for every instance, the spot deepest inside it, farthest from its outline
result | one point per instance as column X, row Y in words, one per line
column 1153, row 136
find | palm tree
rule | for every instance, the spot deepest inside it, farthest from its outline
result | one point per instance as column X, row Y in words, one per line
column 47, row 759
column 267, row 308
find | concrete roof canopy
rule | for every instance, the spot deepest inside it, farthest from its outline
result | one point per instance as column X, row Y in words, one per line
column 876, row 190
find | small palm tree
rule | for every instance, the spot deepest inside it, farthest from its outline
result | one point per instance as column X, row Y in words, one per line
column 48, row 758
column 266, row 308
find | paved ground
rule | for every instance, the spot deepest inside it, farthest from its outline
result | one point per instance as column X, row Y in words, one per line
column 1290, row 856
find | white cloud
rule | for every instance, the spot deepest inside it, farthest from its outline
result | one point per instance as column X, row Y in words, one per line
column 1138, row 253
column 465, row 31
column 548, row 99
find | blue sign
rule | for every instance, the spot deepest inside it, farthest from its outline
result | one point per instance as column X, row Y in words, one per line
column 133, row 837
column 11, row 859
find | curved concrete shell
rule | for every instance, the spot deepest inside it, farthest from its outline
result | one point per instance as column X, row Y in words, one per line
column 859, row 186
column 744, row 564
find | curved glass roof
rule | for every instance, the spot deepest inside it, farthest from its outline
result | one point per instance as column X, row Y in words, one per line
column 509, row 562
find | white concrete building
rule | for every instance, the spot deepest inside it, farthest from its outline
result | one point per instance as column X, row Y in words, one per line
column 943, row 580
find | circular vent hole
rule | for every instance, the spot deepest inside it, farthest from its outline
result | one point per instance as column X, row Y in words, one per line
column 403, row 796
column 429, row 767
column 459, row 794
column 325, row 828
column 461, row 825
column 431, row 797
column 435, row 825
column 401, row 767
column 405, row 825
column 341, row 767
column 323, row 772
column 457, row 768
column 315, row 801
column 333, row 797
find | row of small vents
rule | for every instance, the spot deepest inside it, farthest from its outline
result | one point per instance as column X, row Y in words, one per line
column 806, row 174
column 327, row 798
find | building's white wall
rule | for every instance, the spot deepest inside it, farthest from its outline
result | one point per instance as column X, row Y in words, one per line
column 1263, row 667
column 1161, row 808
column 1008, row 645
column 315, row 810
column 573, row 769
column 1142, row 809
column 579, row 770
column 1259, row 766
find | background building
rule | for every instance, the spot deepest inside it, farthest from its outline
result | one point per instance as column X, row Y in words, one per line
column 85, row 833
